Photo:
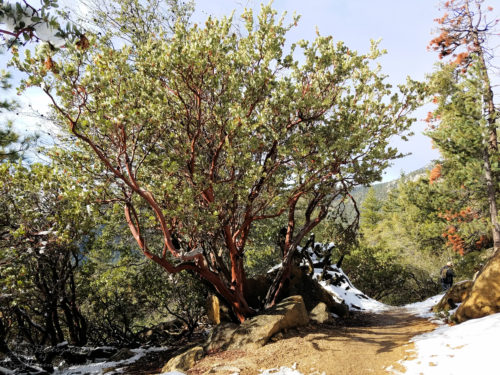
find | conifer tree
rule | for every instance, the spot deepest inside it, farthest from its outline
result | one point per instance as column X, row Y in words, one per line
column 371, row 210
column 464, row 31
column 467, row 111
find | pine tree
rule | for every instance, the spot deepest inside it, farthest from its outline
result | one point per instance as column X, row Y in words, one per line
column 464, row 31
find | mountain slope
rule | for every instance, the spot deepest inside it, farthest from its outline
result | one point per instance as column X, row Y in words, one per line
column 382, row 189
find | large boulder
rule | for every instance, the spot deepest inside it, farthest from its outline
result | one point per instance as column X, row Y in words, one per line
column 320, row 314
column 484, row 297
column 455, row 295
column 256, row 332
column 184, row 361
column 221, row 336
column 301, row 283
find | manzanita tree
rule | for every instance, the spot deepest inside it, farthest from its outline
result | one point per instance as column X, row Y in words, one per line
column 206, row 132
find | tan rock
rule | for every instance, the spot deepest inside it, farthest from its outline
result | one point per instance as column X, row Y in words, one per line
column 256, row 332
column 184, row 361
column 455, row 295
column 221, row 336
column 313, row 293
column 320, row 314
column 484, row 298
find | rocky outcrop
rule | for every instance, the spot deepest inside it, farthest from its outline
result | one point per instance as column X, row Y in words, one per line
column 302, row 284
column 256, row 332
column 184, row 361
column 455, row 295
column 320, row 314
column 484, row 297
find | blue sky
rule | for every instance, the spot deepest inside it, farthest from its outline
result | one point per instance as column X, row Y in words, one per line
column 404, row 26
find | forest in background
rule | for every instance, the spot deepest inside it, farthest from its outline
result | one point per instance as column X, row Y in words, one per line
column 252, row 155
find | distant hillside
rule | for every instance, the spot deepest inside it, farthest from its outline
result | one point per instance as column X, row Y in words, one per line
column 382, row 189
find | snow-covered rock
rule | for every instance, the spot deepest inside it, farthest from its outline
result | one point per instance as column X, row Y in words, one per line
column 336, row 282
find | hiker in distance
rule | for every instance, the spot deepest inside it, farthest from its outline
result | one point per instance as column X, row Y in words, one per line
column 447, row 275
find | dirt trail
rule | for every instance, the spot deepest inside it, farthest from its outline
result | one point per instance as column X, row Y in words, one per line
column 366, row 344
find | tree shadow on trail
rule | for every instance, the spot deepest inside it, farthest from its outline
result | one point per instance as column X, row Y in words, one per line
column 382, row 332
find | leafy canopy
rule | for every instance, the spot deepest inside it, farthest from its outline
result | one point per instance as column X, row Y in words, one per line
column 207, row 131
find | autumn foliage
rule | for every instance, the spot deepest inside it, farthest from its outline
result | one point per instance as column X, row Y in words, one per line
column 459, row 34
column 454, row 240
column 459, row 241
column 435, row 174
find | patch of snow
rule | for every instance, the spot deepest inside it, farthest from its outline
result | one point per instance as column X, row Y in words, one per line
column 282, row 371
column 98, row 367
column 423, row 309
column 104, row 347
column 352, row 297
column 341, row 287
column 466, row 348
column 276, row 267
column 6, row 371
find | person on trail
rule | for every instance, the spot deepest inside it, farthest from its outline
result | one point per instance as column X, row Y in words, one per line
column 447, row 275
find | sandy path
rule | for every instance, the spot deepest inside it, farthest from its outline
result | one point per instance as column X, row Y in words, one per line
column 366, row 344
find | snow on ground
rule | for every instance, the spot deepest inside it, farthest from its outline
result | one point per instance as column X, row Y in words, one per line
column 462, row 349
column 423, row 309
column 99, row 367
column 280, row 371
